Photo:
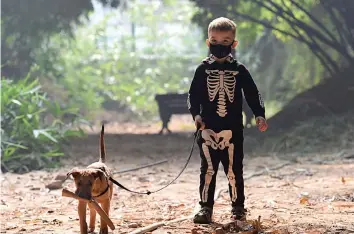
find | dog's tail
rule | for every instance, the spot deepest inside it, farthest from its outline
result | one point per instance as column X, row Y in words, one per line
column 102, row 147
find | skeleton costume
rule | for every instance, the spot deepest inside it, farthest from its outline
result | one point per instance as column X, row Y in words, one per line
column 216, row 95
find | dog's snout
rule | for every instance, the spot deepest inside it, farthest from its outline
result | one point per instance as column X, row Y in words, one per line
column 84, row 194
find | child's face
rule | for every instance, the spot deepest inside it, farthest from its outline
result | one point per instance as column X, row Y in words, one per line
column 222, row 38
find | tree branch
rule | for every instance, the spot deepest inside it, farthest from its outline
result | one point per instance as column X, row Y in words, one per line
column 300, row 38
column 316, row 21
column 323, row 56
column 346, row 11
column 346, row 35
column 315, row 47
column 310, row 31
column 336, row 22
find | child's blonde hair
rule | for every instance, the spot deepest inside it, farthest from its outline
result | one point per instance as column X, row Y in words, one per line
column 222, row 24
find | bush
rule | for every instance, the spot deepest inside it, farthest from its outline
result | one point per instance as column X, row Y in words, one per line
column 104, row 63
column 27, row 142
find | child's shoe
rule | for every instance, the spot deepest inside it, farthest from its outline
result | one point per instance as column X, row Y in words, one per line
column 203, row 216
column 238, row 213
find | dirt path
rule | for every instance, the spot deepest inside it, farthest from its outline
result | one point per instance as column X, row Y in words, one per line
column 326, row 190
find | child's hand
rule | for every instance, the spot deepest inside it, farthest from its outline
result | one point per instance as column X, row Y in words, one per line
column 261, row 123
column 199, row 122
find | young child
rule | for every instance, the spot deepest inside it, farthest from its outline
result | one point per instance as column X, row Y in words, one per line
column 215, row 102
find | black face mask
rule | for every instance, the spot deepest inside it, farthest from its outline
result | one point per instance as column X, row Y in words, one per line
column 220, row 51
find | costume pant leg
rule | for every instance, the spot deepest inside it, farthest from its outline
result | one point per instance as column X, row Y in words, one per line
column 233, row 166
column 210, row 160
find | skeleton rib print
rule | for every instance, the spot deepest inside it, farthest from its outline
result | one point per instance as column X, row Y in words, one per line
column 222, row 82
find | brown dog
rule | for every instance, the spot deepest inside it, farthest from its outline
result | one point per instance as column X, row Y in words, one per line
column 93, row 182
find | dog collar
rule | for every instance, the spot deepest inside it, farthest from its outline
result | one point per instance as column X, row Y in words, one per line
column 103, row 191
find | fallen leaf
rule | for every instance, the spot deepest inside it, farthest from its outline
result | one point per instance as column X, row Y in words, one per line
column 343, row 180
column 304, row 200
column 27, row 221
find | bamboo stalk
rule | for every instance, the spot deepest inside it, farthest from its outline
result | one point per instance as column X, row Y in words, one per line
column 97, row 207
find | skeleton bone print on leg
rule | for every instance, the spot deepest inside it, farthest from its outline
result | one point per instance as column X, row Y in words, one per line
column 218, row 141
column 209, row 173
column 222, row 82
column 230, row 173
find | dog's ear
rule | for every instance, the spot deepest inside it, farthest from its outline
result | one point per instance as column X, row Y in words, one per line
column 74, row 172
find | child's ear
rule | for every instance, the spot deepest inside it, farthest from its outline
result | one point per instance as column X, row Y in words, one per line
column 207, row 42
column 234, row 44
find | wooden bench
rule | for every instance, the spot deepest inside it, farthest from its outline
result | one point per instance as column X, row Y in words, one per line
column 174, row 103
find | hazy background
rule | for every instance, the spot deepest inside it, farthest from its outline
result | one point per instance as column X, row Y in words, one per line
column 67, row 65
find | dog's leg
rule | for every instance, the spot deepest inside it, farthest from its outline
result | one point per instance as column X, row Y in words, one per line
column 161, row 131
column 92, row 218
column 105, row 206
column 82, row 216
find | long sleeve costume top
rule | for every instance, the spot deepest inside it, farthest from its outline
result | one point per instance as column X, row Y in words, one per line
column 216, row 94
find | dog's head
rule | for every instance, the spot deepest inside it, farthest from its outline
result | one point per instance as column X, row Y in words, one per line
column 85, row 180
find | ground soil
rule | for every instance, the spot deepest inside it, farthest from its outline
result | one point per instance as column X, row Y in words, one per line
column 313, row 194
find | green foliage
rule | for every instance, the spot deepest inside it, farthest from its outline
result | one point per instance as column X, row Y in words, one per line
column 74, row 68
column 103, row 62
column 281, row 69
column 25, row 24
column 26, row 142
